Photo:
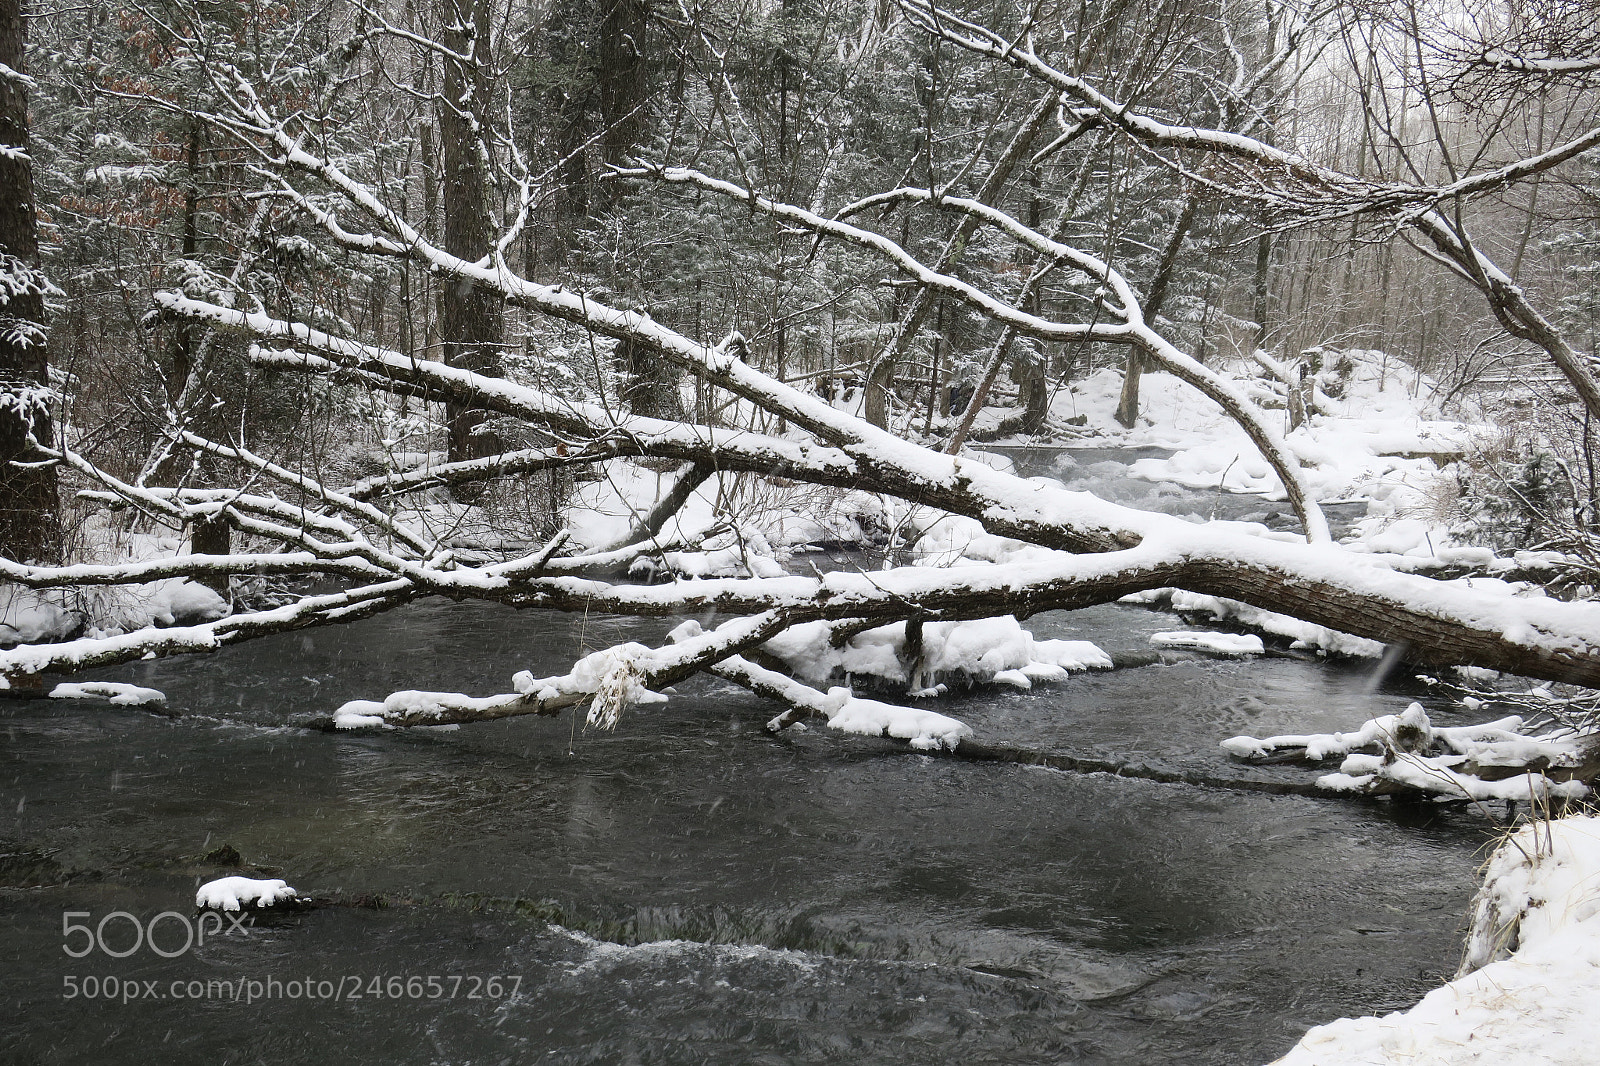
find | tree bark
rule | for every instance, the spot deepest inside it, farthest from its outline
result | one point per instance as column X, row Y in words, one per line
column 29, row 516
column 621, row 79
column 1128, row 402
column 470, row 315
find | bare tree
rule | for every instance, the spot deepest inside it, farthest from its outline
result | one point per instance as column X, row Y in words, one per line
column 1304, row 191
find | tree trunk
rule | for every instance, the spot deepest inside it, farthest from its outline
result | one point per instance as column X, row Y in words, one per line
column 29, row 517
column 1261, row 291
column 650, row 385
column 621, row 80
column 1128, row 402
column 470, row 315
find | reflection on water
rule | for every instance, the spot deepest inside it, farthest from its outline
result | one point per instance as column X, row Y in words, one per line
column 688, row 889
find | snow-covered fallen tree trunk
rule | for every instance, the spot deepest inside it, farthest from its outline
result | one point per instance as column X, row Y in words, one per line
column 1438, row 624
column 1096, row 551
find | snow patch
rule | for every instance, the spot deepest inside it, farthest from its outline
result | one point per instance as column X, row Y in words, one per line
column 131, row 695
column 926, row 730
column 1235, row 644
column 232, row 893
column 985, row 649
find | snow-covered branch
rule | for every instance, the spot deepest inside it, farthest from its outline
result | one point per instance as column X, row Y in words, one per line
column 1131, row 329
column 1306, row 190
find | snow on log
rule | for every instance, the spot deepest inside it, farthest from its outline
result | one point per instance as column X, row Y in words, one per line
column 1322, row 585
column 922, row 729
column 993, row 649
column 1400, row 772
column 1406, row 753
column 1230, row 644
column 844, row 711
column 360, row 714
column 115, row 692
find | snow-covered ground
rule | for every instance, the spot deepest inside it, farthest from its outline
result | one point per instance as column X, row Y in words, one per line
column 29, row 617
column 1382, row 440
column 1528, row 994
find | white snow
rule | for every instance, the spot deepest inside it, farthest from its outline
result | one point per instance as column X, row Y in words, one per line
column 771, row 519
column 1438, row 776
column 1238, row 644
column 114, row 691
column 175, row 601
column 1526, row 996
column 232, row 893
column 922, row 729
column 1381, row 440
column 985, row 649
column 1398, row 754
column 1302, row 634
column 27, row 617
column 1373, row 733
column 1496, row 743
column 30, row 617
column 360, row 714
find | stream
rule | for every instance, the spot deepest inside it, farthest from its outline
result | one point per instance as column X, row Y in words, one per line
column 688, row 889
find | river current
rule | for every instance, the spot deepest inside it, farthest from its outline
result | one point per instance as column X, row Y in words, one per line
column 688, row 889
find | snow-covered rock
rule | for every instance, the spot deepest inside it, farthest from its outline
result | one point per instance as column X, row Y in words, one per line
column 232, row 893
column 113, row 691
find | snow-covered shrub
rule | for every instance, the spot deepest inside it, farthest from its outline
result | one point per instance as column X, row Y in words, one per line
column 1518, row 495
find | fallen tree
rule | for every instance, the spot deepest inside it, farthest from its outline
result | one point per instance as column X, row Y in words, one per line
column 1069, row 550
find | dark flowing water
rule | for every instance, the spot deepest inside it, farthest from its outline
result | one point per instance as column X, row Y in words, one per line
column 689, row 890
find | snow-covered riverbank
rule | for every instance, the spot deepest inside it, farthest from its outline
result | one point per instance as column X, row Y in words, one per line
column 1531, row 988
column 1382, row 439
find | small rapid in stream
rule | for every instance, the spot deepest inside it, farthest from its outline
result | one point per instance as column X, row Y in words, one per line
column 690, row 890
